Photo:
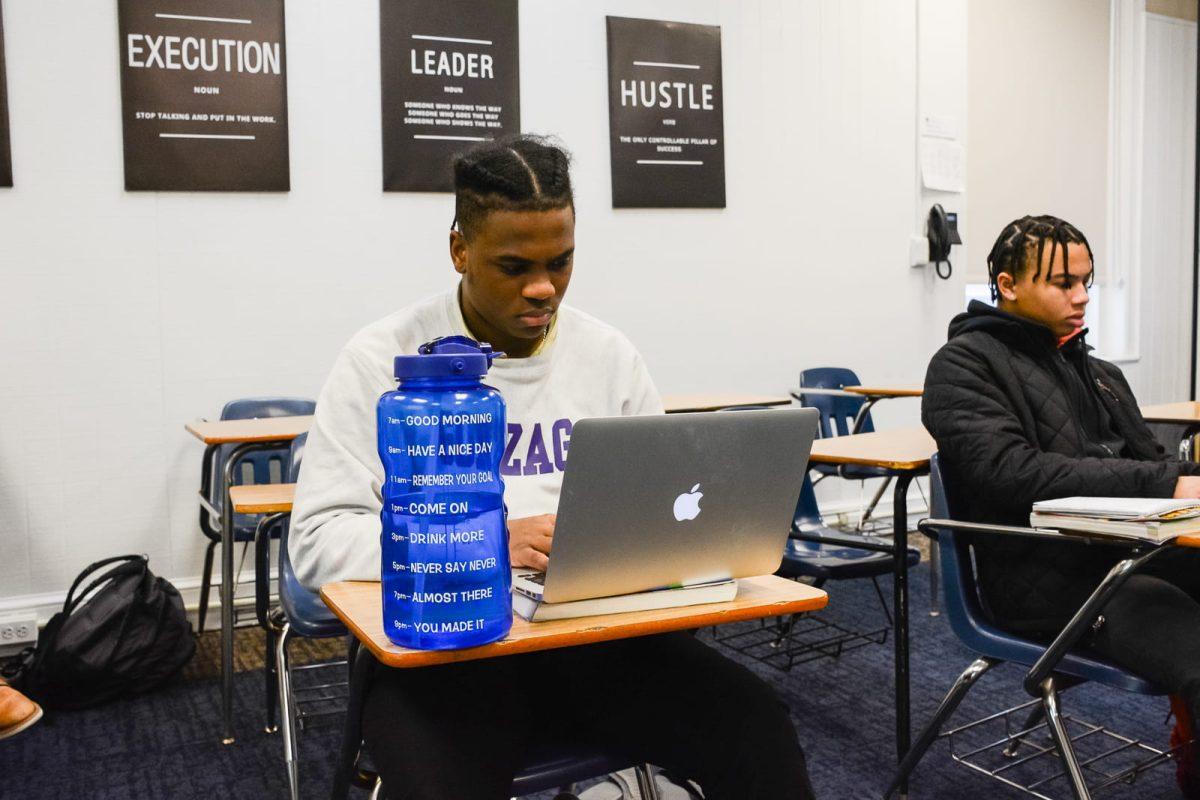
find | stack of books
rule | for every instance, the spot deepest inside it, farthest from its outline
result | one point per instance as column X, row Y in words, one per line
column 1151, row 519
column 531, row 606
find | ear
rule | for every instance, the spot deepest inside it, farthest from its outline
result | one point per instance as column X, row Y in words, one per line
column 458, row 252
column 1006, row 286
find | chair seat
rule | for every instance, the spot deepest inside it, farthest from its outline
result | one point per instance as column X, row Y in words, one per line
column 988, row 640
column 836, row 557
column 550, row 766
column 306, row 612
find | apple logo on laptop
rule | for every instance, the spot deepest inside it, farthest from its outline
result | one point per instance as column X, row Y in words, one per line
column 687, row 505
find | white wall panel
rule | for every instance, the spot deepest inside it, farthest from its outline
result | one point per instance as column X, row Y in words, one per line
column 1169, row 132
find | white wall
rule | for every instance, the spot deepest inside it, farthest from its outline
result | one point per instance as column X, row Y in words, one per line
column 125, row 315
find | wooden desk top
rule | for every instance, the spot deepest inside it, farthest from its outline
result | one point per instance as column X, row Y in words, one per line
column 899, row 390
column 358, row 605
column 903, row 449
column 1188, row 541
column 262, row 498
column 676, row 403
column 238, row 431
column 1184, row 413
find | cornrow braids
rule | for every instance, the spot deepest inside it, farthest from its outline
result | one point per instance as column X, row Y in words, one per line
column 1023, row 242
column 521, row 173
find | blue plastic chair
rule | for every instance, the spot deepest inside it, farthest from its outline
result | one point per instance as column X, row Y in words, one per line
column 838, row 414
column 1058, row 665
column 821, row 553
column 264, row 466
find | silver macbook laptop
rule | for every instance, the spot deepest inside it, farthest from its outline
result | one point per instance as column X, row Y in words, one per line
column 674, row 499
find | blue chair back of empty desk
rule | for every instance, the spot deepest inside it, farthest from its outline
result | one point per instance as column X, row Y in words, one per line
column 305, row 611
column 973, row 626
column 808, row 513
column 257, row 467
column 837, row 413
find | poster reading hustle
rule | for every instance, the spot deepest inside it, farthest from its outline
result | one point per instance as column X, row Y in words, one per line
column 666, row 123
column 6, row 178
column 204, row 95
column 450, row 80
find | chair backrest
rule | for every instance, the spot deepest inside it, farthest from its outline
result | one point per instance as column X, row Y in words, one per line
column 263, row 466
column 837, row 413
column 808, row 513
column 962, row 603
column 294, row 454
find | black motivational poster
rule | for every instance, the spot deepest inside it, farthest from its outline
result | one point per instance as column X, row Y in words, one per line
column 665, row 114
column 5, row 149
column 204, row 95
column 450, row 80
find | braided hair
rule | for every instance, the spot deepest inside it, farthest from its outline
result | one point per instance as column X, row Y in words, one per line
column 1022, row 243
column 521, row 173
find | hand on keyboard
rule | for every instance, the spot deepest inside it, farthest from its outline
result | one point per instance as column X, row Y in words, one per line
column 529, row 540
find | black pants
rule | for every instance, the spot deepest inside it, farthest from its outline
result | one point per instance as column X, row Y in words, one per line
column 462, row 730
column 1152, row 625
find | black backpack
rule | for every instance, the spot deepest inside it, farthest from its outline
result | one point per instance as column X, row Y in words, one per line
column 123, row 634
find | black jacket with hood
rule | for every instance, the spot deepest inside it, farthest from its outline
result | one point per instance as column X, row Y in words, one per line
column 1018, row 419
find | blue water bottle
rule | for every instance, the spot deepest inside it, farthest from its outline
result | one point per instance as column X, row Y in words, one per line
column 446, row 578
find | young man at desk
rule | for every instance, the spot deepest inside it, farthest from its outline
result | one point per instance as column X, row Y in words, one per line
column 1022, row 412
column 461, row 730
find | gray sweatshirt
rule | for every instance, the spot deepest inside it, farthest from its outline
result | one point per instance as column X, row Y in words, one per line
column 587, row 369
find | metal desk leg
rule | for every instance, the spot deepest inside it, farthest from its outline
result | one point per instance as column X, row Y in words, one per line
column 227, row 472
column 900, row 607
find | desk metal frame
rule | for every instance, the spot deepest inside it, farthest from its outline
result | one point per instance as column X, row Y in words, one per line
column 226, row 515
column 899, row 550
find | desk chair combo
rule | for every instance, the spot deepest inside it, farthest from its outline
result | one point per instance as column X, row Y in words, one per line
column 300, row 613
column 262, row 466
column 816, row 553
column 1052, row 669
column 556, row 766
column 841, row 415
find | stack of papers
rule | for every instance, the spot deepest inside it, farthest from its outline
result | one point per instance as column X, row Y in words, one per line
column 1153, row 519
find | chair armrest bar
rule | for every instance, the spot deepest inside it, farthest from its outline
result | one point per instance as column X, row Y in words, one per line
column 929, row 528
column 872, row 543
column 262, row 567
column 803, row 390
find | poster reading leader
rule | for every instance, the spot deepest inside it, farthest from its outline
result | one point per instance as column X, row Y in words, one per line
column 450, row 80
column 204, row 95
column 665, row 117
column 5, row 151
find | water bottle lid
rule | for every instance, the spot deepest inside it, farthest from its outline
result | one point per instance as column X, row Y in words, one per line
column 447, row 357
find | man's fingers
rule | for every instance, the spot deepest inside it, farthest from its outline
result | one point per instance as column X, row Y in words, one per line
column 537, row 560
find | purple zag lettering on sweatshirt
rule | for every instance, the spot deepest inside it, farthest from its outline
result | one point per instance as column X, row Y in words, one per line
column 535, row 457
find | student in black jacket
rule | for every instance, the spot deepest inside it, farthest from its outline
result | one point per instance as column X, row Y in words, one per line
column 1022, row 412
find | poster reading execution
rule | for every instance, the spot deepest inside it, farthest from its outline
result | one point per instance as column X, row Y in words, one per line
column 450, row 80
column 5, row 149
column 665, row 114
column 204, row 95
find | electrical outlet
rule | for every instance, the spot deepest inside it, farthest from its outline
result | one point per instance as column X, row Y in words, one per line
column 18, row 629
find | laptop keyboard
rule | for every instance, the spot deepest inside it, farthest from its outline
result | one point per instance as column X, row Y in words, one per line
column 535, row 577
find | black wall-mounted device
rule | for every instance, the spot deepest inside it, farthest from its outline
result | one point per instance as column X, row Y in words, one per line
column 942, row 230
